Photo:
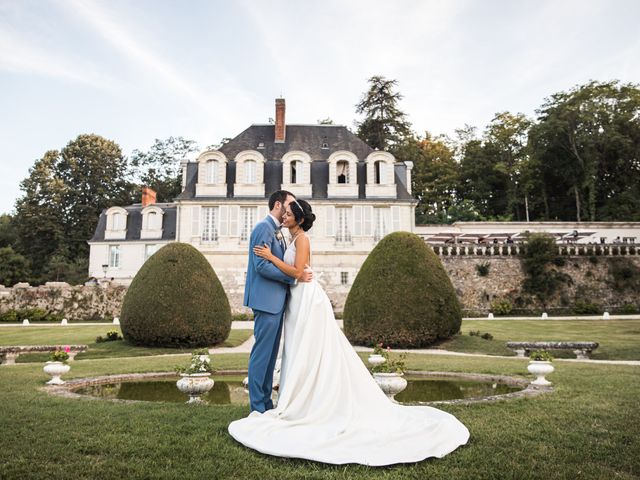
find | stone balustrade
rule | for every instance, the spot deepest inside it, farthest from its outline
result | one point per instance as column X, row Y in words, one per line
column 515, row 249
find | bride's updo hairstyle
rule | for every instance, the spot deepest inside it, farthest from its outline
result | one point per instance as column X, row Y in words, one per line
column 302, row 212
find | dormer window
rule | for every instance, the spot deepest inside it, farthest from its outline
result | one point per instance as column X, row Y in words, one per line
column 343, row 175
column 325, row 146
column 116, row 228
column 212, row 171
column 342, row 172
column 296, row 173
column 261, row 143
column 151, row 222
column 212, row 174
column 380, row 175
column 250, row 172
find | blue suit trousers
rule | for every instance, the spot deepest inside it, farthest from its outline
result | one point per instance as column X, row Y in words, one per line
column 267, row 331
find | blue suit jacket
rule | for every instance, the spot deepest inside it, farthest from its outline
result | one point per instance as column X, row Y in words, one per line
column 266, row 286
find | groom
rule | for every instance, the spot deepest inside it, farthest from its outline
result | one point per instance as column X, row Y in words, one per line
column 266, row 293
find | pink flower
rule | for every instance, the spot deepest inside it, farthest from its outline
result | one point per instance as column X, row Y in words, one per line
column 67, row 348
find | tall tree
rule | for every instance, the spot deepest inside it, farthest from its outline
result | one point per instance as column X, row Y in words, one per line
column 40, row 216
column 63, row 197
column 586, row 145
column 435, row 177
column 507, row 133
column 384, row 126
column 94, row 173
column 159, row 167
column 8, row 234
column 14, row 267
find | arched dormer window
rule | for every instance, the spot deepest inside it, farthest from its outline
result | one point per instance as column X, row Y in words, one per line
column 151, row 222
column 116, row 228
column 249, row 174
column 343, row 175
column 296, row 173
column 381, row 175
column 212, row 174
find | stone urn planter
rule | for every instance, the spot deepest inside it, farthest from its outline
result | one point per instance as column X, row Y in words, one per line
column 56, row 370
column 390, row 383
column 540, row 369
column 376, row 359
column 195, row 385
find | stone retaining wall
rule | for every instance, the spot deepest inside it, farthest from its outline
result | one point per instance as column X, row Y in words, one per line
column 590, row 283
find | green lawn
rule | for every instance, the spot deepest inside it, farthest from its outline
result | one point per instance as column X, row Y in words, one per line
column 86, row 335
column 618, row 339
column 588, row 428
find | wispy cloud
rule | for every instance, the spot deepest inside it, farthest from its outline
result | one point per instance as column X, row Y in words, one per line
column 20, row 55
column 112, row 28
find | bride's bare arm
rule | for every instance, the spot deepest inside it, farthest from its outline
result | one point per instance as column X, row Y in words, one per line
column 301, row 262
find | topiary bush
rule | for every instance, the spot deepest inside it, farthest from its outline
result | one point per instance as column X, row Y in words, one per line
column 176, row 300
column 401, row 297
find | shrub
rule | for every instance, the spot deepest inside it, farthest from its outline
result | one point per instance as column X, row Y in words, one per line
column 541, row 279
column 487, row 336
column 629, row 309
column 541, row 356
column 586, row 308
column 483, row 268
column 501, row 307
column 402, row 296
column 623, row 274
column 176, row 300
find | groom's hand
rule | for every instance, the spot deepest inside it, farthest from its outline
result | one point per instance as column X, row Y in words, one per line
column 307, row 275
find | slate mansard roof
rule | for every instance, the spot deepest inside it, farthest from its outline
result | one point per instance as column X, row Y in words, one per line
column 134, row 224
column 306, row 138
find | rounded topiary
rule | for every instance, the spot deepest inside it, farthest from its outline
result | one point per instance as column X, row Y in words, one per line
column 176, row 300
column 401, row 297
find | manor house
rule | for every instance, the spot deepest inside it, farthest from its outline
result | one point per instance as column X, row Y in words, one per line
column 358, row 194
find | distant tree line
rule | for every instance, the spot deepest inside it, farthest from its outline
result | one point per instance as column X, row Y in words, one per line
column 578, row 160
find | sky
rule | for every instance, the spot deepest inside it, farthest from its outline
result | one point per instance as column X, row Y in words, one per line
column 136, row 70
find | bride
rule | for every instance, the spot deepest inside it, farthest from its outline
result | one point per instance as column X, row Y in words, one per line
column 329, row 407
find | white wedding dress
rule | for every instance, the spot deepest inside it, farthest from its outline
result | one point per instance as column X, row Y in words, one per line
column 329, row 407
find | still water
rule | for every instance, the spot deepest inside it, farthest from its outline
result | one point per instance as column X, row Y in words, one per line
column 229, row 390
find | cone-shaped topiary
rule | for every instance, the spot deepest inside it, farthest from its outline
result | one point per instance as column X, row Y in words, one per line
column 176, row 300
column 401, row 297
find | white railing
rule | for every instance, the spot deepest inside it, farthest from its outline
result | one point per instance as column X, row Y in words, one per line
column 506, row 250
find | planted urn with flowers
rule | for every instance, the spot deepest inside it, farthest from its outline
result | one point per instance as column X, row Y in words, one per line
column 196, row 380
column 57, row 365
column 389, row 373
column 540, row 365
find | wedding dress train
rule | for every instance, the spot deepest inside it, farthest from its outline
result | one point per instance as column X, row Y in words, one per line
column 329, row 407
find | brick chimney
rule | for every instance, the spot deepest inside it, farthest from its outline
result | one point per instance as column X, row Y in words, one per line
column 281, row 126
column 148, row 196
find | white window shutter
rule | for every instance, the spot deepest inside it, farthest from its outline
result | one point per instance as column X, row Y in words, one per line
column 330, row 219
column 357, row 220
column 387, row 220
column 395, row 218
column 224, row 220
column 195, row 221
column 234, row 216
column 306, row 173
column 368, row 221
